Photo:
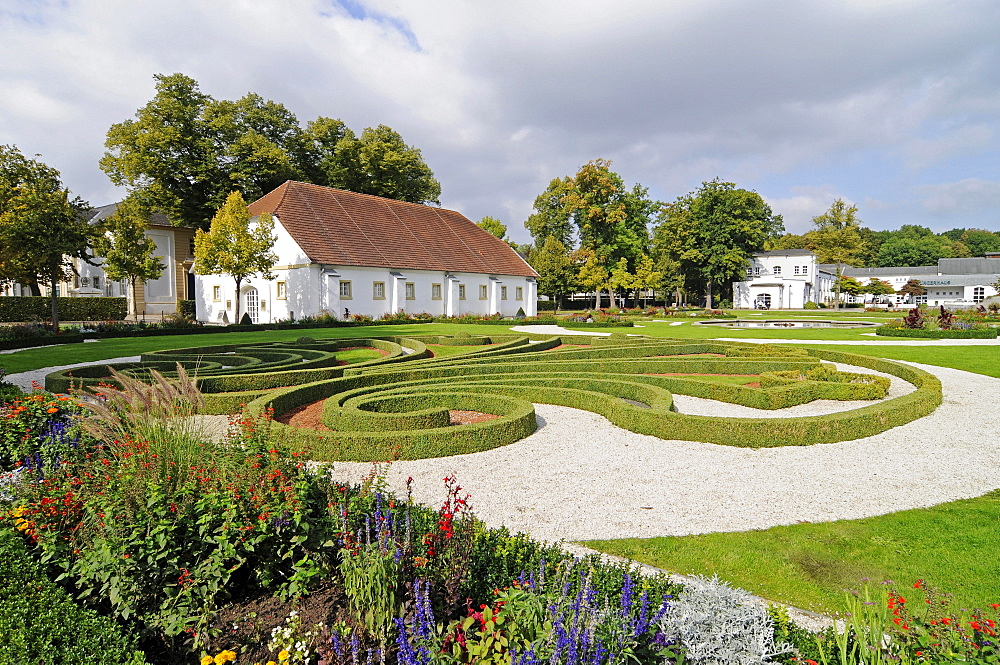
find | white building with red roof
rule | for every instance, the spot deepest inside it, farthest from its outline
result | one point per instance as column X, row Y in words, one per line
column 345, row 253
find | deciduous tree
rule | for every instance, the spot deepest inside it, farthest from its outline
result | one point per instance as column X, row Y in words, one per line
column 236, row 246
column 42, row 229
column 878, row 288
column 556, row 272
column 127, row 250
column 717, row 228
column 493, row 226
column 837, row 238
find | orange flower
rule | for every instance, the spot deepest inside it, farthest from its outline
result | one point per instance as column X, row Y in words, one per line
column 51, row 409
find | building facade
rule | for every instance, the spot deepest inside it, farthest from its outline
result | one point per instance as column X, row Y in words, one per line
column 344, row 253
column 788, row 279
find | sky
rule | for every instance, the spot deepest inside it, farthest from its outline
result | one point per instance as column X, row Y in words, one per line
column 893, row 105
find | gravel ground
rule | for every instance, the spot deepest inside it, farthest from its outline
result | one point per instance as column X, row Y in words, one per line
column 580, row 477
column 25, row 379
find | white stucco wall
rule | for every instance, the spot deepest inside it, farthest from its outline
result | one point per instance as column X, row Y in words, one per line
column 310, row 289
column 790, row 281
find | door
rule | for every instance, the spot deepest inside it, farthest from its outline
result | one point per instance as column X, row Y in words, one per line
column 253, row 304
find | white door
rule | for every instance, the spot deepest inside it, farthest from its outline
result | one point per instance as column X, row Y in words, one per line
column 253, row 304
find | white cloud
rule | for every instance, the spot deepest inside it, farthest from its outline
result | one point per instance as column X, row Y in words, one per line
column 956, row 199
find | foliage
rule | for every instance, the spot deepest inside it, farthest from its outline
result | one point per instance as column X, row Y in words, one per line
column 849, row 285
column 552, row 218
column 37, row 433
column 493, row 226
column 41, row 229
column 41, row 623
column 912, row 288
column 716, row 623
column 236, row 246
column 710, row 234
column 878, row 287
column 36, row 308
column 556, row 273
column 127, row 251
column 185, row 151
column 911, row 252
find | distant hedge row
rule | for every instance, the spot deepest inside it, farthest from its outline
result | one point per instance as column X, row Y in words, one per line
column 39, row 308
column 920, row 333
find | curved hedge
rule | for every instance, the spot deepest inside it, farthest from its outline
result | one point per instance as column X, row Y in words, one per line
column 396, row 406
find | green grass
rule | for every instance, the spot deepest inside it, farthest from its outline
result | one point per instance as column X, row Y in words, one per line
column 984, row 359
column 352, row 356
column 444, row 351
column 954, row 546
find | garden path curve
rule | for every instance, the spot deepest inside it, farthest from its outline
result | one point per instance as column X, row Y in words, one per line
column 580, row 477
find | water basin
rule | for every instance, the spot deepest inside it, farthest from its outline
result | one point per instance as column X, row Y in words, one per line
column 786, row 323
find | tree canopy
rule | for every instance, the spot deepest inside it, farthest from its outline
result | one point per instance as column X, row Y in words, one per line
column 712, row 232
column 127, row 251
column 233, row 246
column 493, row 226
column 42, row 229
column 185, row 151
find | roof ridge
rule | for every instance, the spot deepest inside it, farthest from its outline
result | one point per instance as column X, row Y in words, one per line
column 372, row 196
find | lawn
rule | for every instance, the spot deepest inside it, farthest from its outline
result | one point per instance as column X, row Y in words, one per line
column 954, row 546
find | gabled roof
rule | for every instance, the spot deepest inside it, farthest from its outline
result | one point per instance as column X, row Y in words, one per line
column 337, row 227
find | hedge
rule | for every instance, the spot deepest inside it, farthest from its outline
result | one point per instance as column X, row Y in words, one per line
column 920, row 333
column 26, row 343
column 39, row 308
column 41, row 623
column 595, row 380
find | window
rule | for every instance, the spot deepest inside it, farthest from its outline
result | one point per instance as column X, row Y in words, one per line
column 503, row 293
column 282, row 292
column 96, row 281
column 518, row 293
column 483, row 293
column 216, row 293
column 749, row 272
column 378, row 290
column 978, row 294
column 436, row 291
column 756, row 271
column 805, row 270
column 345, row 290
column 461, row 291
column 777, row 270
column 796, row 270
column 411, row 292
column 229, row 304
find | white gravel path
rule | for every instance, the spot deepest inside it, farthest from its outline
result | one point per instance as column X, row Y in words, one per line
column 25, row 379
column 580, row 477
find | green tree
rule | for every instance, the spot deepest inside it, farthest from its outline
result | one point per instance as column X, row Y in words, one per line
column 381, row 164
column 979, row 241
column 552, row 217
column 185, row 151
column 837, row 238
column 127, row 250
column 591, row 273
column 556, row 272
column 41, row 228
column 620, row 279
column 848, row 285
column 787, row 241
column 647, row 276
column 233, row 246
column 878, row 288
column 911, row 251
column 718, row 228
column 493, row 226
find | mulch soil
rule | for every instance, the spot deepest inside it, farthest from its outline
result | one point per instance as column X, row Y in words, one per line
column 309, row 416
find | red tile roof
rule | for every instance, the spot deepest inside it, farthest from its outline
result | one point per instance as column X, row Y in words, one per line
column 338, row 227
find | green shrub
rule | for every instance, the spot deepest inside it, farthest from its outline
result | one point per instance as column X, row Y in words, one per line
column 38, row 308
column 186, row 308
column 41, row 623
column 811, row 305
column 922, row 333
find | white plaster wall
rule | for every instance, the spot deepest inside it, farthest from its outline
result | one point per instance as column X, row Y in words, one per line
column 311, row 289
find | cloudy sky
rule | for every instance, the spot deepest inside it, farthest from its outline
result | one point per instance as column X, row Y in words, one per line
column 891, row 104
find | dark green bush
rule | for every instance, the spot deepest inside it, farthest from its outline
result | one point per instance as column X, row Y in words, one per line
column 921, row 333
column 186, row 308
column 37, row 308
column 41, row 623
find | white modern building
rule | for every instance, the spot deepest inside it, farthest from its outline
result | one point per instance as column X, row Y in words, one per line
column 345, row 253
column 784, row 279
column 789, row 278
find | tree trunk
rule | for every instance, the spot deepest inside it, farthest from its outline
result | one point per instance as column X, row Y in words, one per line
column 135, row 302
column 53, row 280
column 237, row 319
column 555, row 304
column 597, row 298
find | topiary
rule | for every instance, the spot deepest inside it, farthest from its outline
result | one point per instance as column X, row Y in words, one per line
column 245, row 320
column 811, row 305
column 305, row 340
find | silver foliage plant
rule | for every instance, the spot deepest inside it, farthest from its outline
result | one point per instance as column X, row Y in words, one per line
column 717, row 624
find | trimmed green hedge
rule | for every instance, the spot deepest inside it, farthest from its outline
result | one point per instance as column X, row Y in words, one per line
column 29, row 342
column 41, row 623
column 920, row 333
column 39, row 308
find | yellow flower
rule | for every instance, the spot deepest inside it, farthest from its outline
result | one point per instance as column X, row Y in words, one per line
column 283, row 654
column 271, row 662
column 207, row 660
column 225, row 657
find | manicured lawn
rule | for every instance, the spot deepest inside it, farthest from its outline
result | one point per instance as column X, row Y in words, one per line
column 984, row 359
column 954, row 546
